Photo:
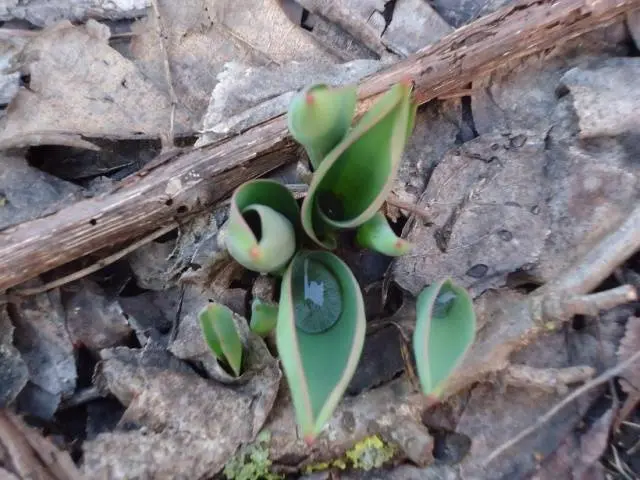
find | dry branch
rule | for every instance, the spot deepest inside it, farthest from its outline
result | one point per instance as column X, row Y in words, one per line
column 196, row 180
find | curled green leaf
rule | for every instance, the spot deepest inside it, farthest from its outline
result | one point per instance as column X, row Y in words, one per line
column 262, row 226
column 222, row 337
column 355, row 177
column 376, row 234
column 320, row 334
column 445, row 329
column 319, row 117
column 264, row 316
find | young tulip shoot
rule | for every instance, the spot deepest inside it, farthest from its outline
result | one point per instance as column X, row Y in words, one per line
column 355, row 177
column 320, row 334
column 445, row 329
column 264, row 317
column 319, row 117
column 222, row 337
column 376, row 234
column 262, row 228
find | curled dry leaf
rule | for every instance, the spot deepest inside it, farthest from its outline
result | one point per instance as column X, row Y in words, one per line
column 81, row 86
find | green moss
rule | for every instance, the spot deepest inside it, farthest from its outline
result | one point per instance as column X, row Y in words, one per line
column 252, row 462
column 367, row 454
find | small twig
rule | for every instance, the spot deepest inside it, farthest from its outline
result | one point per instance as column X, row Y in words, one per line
column 99, row 265
column 409, row 207
column 561, row 308
column 81, row 397
column 167, row 72
column 599, row 380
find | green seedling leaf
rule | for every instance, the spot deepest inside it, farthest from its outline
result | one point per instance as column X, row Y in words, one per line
column 263, row 227
column 319, row 117
column 354, row 179
column 445, row 329
column 264, row 317
column 376, row 234
column 320, row 335
column 219, row 331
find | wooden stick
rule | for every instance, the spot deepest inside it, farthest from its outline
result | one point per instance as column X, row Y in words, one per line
column 196, row 180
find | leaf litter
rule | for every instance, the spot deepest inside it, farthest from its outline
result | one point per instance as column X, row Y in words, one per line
column 513, row 183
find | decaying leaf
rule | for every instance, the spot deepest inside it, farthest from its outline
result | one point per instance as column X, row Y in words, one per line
column 402, row 29
column 606, row 97
column 43, row 341
column 523, row 94
column 47, row 12
column 195, row 425
column 81, row 86
column 92, row 318
column 27, row 193
column 13, row 371
column 202, row 35
column 246, row 95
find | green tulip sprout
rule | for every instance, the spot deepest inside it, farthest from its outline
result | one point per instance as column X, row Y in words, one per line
column 320, row 322
column 445, row 329
column 319, row 334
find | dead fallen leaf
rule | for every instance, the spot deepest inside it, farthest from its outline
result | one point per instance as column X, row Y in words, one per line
column 44, row 343
column 246, row 96
column 523, row 94
column 485, row 200
column 27, row 193
column 605, row 97
column 47, row 12
column 81, row 86
column 13, row 371
column 189, row 424
column 202, row 35
column 93, row 319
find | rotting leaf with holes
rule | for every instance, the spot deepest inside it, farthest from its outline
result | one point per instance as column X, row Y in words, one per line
column 220, row 333
column 353, row 180
column 376, row 234
column 319, row 118
column 445, row 329
column 320, row 334
column 263, row 220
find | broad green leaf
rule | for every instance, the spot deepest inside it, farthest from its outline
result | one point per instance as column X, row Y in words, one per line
column 355, row 177
column 376, row 234
column 319, row 117
column 445, row 329
column 263, row 227
column 320, row 334
column 264, row 317
column 219, row 331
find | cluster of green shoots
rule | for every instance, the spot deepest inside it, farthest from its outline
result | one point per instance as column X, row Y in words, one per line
column 319, row 321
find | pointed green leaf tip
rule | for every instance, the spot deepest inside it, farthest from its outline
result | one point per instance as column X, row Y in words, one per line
column 263, row 221
column 264, row 316
column 445, row 329
column 222, row 337
column 355, row 177
column 319, row 117
column 320, row 334
column 376, row 234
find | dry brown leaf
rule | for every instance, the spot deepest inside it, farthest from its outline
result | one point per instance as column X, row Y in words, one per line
column 200, row 36
column 629, row 345
column 81, row 86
